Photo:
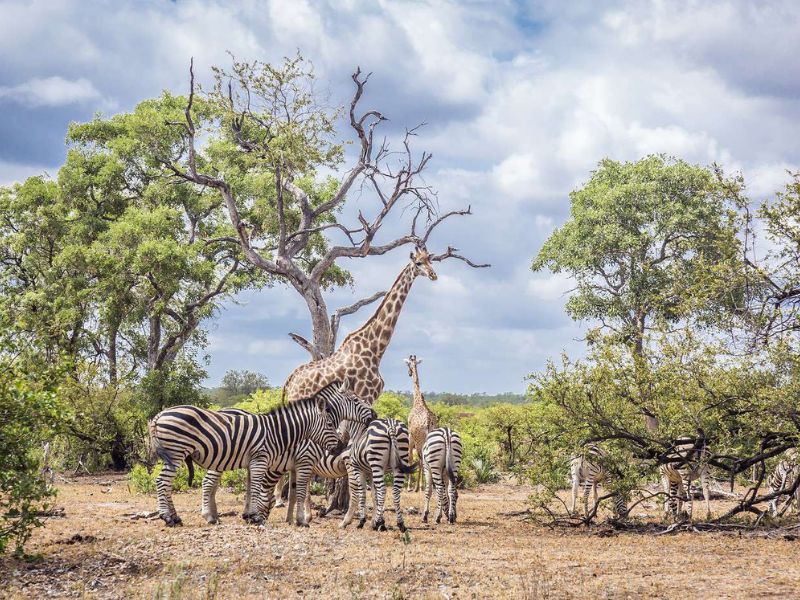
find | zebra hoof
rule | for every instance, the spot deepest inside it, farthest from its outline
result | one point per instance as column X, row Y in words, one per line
column 425, row 517
column 451, row 519
column 361, row 523
column 173, row 521
column 301, row 524
column 401, row 526
column 379, row 525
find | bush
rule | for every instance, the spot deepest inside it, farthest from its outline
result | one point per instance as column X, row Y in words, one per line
column 391, row 405
column 29, row 415
column 145, row 483
column 235, row 481
column 262, row 401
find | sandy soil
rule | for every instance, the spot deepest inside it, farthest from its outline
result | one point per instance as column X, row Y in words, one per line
column 98, row 551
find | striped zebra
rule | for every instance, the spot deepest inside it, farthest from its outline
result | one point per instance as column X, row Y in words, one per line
column 587, row 471
column 441, row 457
column 687, row 462
column 783, row 477
column 383, row 447
column 223, row 441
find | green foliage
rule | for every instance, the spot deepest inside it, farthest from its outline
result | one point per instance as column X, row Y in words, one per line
column 651, row 240
column 391, row 405
column 262, row 401
column 30, row 414
column 145, row 483
column 235, row 481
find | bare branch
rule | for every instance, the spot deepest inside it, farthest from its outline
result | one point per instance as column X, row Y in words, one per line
column 308, row 346
column 349, row 310
column 451, row 253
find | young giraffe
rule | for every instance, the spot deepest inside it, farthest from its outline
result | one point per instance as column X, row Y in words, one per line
column 421, row 420
column 358, row 359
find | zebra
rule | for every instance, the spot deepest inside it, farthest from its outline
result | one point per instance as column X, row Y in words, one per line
column 586, row 469
column 384, row 446
column 359, row 413
column 784, row 477
column 221, row 442
column 441, row 457
column 687, row 462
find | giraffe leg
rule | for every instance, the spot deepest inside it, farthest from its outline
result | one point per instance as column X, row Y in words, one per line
column 419, row 470
column 210, row 484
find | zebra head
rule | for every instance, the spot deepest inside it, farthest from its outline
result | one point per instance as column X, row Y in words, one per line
column 323, row 427
column 344, row 405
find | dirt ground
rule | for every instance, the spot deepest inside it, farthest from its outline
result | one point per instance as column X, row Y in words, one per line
column 96, row 550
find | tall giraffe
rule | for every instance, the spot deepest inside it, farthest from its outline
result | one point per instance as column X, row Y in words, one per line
column 421, row 419
column 358, row 359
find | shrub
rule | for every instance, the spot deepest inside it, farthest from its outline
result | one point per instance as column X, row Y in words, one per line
column 235, row 481
column 391, row 405
column 29, row 416
column 145, row 483
column 262, row 401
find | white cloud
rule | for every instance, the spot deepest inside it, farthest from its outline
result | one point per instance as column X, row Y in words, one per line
column 520, row 113
column 50, row 91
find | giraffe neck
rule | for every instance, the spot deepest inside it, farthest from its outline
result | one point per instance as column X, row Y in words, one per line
column 419, row 399
column 377, row 332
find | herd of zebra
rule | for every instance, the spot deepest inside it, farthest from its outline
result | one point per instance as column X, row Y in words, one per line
column 331, row 435
column 687, row 463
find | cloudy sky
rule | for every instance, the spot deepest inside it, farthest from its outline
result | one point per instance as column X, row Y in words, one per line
column 522, row 99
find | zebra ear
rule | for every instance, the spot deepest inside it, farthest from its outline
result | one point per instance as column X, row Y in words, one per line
column 321, row 404
column 345, row 387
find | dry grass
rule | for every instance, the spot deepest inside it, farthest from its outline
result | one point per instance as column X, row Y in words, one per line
column 97, row 551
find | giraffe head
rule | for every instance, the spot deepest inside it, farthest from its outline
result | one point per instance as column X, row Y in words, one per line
column 412, row 363
column 421, row 261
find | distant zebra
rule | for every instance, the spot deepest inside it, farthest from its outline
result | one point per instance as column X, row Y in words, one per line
column 221, row 442
column 441, row 456
column 587, row 471
column 783, row 477
column 383, row 447
column 688, row 462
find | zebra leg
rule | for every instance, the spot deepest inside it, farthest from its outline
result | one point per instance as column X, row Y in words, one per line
column 587, row 486
column 309, row 516
column 210, row 484
column 576, row 483
column 166, row 509
column 279, row 491
column 378, row 524
column 397, row 487
column 263, row 486
column 354, row 485
column 428, row 492
column 302, row 482
column 438, row 485
column 291, row 499
column 689, row 496
column 453, row 493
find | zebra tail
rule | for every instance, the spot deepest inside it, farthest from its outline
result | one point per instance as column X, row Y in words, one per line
column 155, row 446
column 448, row 458
column 394, row 456
column 190, row 466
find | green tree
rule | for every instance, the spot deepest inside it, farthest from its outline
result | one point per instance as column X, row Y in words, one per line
column 643, row 243
column 244, row 382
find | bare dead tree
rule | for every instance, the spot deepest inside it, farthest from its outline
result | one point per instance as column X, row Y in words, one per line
column 263, row 108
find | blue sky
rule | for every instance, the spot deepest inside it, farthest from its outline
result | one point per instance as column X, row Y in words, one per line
column 522, row 99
